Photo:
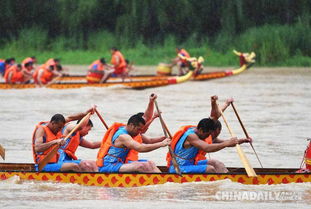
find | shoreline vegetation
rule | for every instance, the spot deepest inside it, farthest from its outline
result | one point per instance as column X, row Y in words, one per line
column 272, row 45
column 278, row 32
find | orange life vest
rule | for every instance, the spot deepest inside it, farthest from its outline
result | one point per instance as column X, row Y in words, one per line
column 107, row 143
column 73, row 145
column 100, row 66
column 46, row 76
column 50, row 62
column 27, row 60
column 133, row 154
column 17, row 76
column 200, row 155
column 185, row 54
column 119, row 62
column 49, row 137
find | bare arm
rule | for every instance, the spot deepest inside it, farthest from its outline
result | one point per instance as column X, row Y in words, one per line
column 127, row 141
column 202, row 145
column 215, row 114
column 79, row 116
column 240, row 141
column 150, row 108
column 148, row 140
column 39, row 145
column 227, row 104
column 155, row 115
column 39, row 77
column 91, row 145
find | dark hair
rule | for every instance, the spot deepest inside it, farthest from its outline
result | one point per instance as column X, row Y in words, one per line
column 58, row 118
column 127, row 61
column 90, row 123
column 33, row 57
column 218, row 125
column 57, row 60
column 136, row 119
column 59, row 68
column 19, row 66
column 114, row 48
column 28, row 64
column 102, row 60
column 206, row 125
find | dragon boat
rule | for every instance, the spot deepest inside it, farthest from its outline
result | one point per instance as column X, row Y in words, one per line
column 141, row 81
column 26, row 172
column 269, row 176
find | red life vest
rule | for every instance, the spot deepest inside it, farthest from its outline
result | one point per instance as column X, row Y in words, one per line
column 94, row 76
column 184, row 53
column 73, row 145
column 107, row 143
column 200, row 155
column 308, row 157
column 119, row 62
column 49, row 137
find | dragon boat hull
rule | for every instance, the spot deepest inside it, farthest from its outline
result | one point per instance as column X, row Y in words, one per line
column 264, row 176
column 135, row 82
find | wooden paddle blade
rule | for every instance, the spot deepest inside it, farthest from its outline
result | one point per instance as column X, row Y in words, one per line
column 2, row 152
column 249, row 169
column 48, row 157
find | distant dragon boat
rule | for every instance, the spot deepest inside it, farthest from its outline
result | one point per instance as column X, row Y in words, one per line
column 141, row 81
column 268, row 176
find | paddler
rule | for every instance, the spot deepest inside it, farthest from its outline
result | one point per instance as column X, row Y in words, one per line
column 119, row 140
column 67, row 151
column 191, row 143
column 181, row 60
column 119, row 63
column 99, row 71
column 48, row 134
column 45, row 75
column 149, row 117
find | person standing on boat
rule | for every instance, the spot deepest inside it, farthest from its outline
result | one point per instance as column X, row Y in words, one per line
column 191, row 143
column 48, row 134
column 117, row 143
column 119, row 63
column 67, row 151
column 181, row 60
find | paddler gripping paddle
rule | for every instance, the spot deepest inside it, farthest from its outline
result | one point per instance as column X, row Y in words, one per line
column 166, row 131
column 53, row 152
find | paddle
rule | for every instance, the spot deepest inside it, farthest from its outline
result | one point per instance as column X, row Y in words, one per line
column 101, row 119
column 53, row 152
column 166, row 131
column 245, row 132
column 2, row 152
column 249, row 170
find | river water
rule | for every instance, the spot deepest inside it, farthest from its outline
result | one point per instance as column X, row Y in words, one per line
column 273, row 103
